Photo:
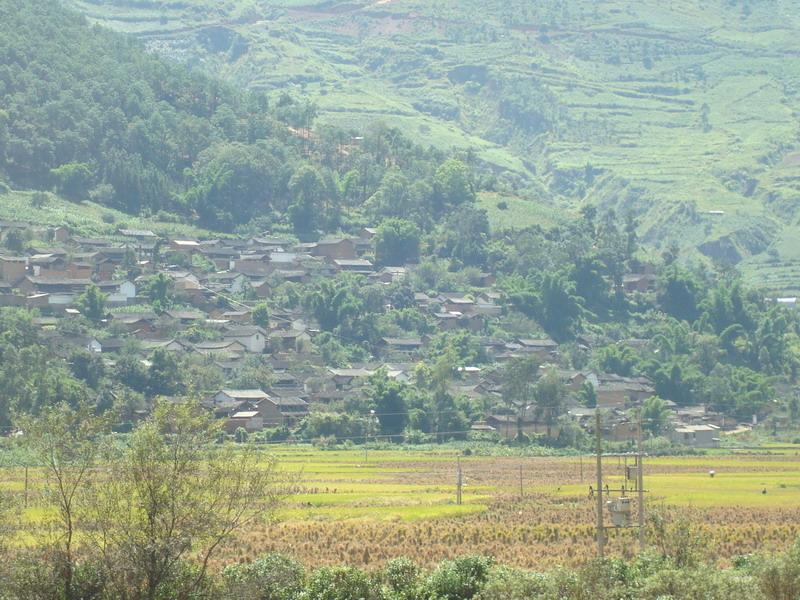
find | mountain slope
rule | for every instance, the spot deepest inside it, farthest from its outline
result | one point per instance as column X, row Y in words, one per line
column 89, row 113
column 670, row 110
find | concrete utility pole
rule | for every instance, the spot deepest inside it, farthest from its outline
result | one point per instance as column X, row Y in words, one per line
column 520, row 482
column 640, row 482
column 459, row 482
column 601, row 541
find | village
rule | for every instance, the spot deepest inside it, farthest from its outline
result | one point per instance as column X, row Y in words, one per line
column 214, row 286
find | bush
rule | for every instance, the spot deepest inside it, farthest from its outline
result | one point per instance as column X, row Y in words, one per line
column 779, row 576
column 269, row 577
column 459, row 579
column 340, row 583
column 505, row 583
column 401, row 576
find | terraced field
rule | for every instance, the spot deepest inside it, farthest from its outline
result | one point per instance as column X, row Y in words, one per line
column 671, row 110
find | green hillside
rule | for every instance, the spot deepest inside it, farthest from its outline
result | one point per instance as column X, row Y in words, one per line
column 668, row 109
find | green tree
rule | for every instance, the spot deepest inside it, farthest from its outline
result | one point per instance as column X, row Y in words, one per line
column 519, row 385
column 232, row 183
column 92, row 303
column 158, row 290
column 452, row 185
column 679, row 294
column 588, row 395
column 397, row 242
column 15, row 241
column 269, row 577
column 655, row 415
column 307, row 191
column 550, row 394
column 340, row 583
column 261, row 315
column 63, row 440
column 172, row 493
column 333, row 303
column 73, row 180
column 561, row 310
column 388, row 398
column 464, row 236
column 164, row 375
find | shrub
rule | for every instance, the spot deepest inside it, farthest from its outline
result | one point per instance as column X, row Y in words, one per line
column 401, row 576
column 505, row 583
column 269, row 577
column 779, row 576
column 459, row 579
column 340, row 583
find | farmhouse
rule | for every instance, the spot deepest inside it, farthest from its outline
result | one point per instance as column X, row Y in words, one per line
column 699, row 436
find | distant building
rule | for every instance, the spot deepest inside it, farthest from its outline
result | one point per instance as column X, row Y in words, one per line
column 699, row 436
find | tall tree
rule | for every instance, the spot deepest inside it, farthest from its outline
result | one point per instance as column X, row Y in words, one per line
column 63, row 440
column 550, row 394
column 92, row 303
column 171, row 493
column 397, row 242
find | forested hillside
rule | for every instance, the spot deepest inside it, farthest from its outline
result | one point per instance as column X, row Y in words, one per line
column 683, row 112
column 88, row 113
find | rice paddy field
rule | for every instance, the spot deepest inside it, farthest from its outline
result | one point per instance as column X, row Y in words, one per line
column 365, row 508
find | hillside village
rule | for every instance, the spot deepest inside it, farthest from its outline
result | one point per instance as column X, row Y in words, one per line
column 213, row 286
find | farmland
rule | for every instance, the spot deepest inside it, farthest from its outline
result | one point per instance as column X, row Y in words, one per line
column 366, row 508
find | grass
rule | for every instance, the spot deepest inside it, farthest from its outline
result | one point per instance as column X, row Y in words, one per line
column 511, row 212
column 84, row 218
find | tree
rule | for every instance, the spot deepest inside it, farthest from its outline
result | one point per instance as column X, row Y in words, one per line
column 15, row 241
column 452, row 185
column 333, row 303
column 560, row 309
column 655, row 415
column 519, row 385
column 164, row 374
column 397, row 242
column 464, row 236
column 73, row 180
column 794, row 408
column 260, row 315
column 171, row 493
column 158, row 290
column 588, row 395
column 63, row 440
column 232, row 183
column 550, row 393
column 88, row 366
column 92, row 303
column 307, row 190
column 679, row 294
column 388, row 397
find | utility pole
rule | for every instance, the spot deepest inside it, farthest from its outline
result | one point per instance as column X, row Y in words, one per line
column 369, row 431
column 599, row 449
column 459, row 482
column 520, row 482
column 26, row 486
column 580, row 459
column 640, row 482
